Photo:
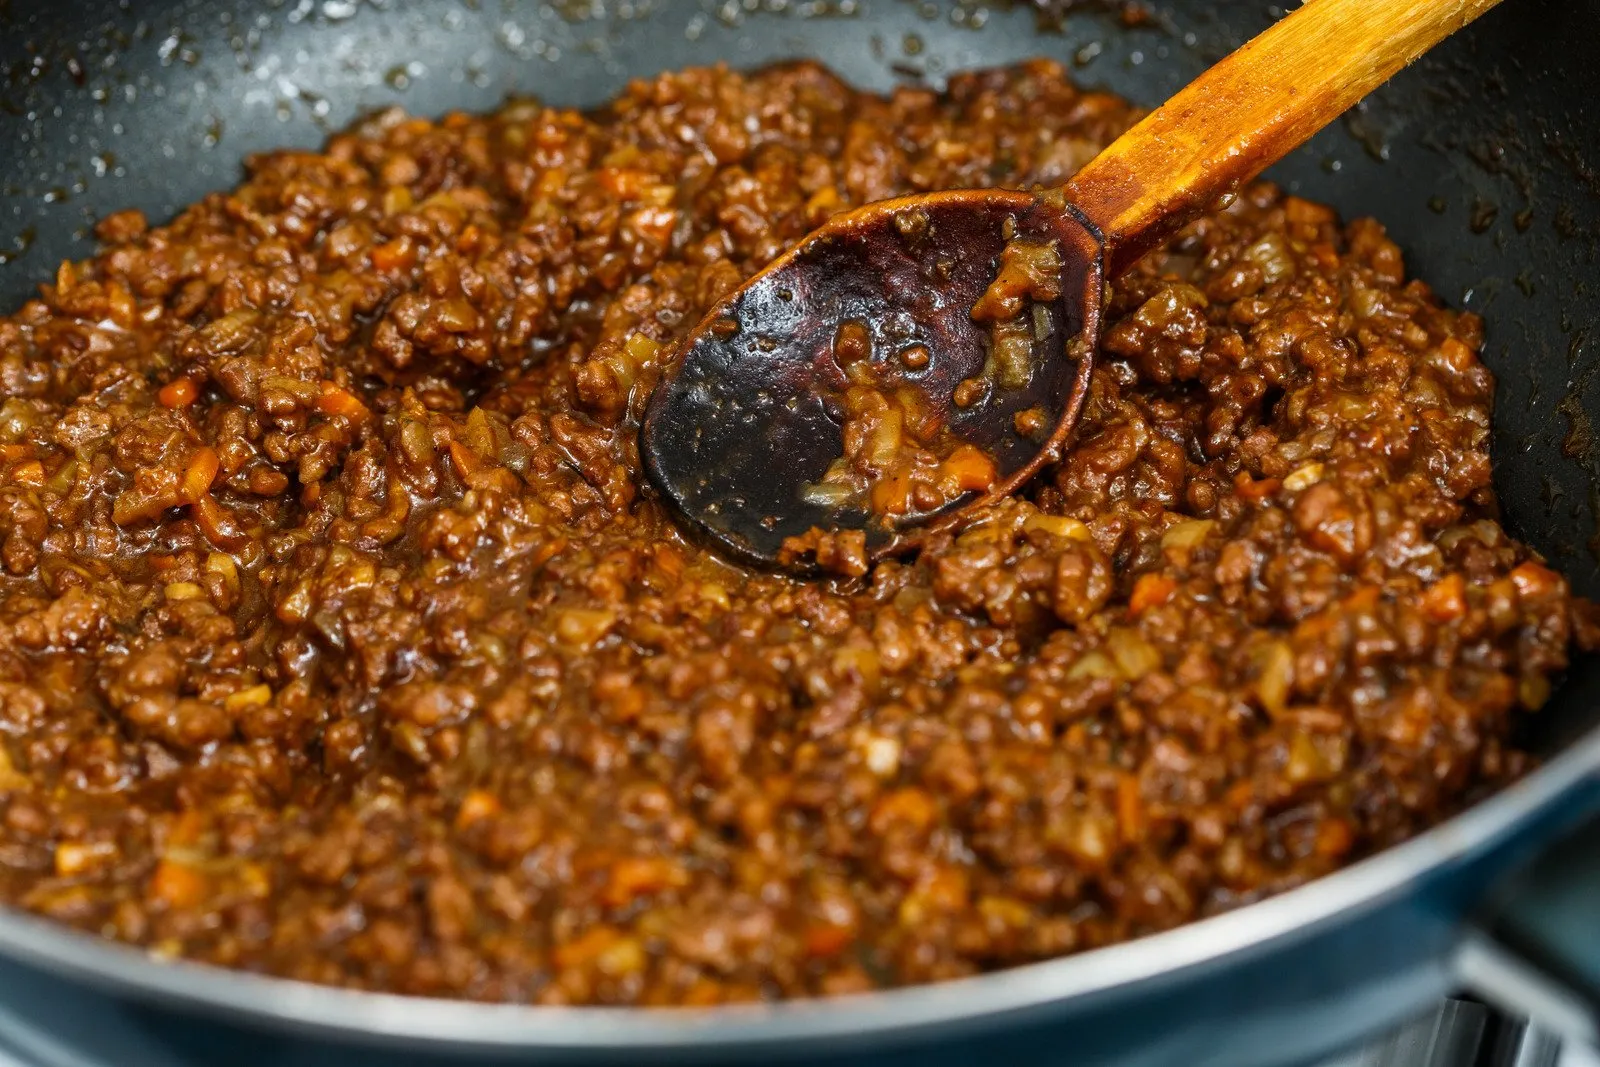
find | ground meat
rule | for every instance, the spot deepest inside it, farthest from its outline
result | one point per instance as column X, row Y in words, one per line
column 341, row 639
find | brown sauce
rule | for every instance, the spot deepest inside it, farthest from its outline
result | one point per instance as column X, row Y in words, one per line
column 339, row 638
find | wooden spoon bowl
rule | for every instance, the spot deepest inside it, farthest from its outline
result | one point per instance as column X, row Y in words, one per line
column 752, row 412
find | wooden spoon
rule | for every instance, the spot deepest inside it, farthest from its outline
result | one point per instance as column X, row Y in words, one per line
column 868, row 386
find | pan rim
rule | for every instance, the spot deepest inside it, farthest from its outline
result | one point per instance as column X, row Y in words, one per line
column 370, row 1018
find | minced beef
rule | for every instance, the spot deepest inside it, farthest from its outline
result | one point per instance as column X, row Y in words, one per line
column 341, row 639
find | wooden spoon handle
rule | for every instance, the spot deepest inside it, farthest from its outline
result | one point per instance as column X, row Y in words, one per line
column 1249, row 111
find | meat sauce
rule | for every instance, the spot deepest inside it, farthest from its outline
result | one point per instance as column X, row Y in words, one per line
column 340, row 639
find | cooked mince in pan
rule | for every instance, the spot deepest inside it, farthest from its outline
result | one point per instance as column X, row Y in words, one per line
column 342, row 639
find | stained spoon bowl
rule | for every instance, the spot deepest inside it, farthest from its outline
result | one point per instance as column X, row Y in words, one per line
column 750, row 416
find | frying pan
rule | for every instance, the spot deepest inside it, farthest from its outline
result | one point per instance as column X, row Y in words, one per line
column 1484, row 161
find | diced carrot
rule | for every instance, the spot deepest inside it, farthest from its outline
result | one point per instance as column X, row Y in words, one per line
column 550, row 183
column 654, row 224
column 81, row 857
column 666, row 556
column 1456, row 354
column 1325, row 255
column 30, row 474
column 967, row 468
column 625, row 183
column 177, row 886
column 1534, row 581
column 135, row 505
column 622, row 957
column 549, row 550
column 1445, row 600
column 1130, row 808
column 910, row 805
column 336, row 400
column 826, row 940
column 703, row 993
column 395, row 255
column 476, row 806
column 823, row 203
column 1255, row 490
column 199, row 475
column 1334, row 838
column 1306, row 212
column 465, row 461
column 1364, row 599
column 944, row 889
column 637, row 876
column 1240, row 793
column 178, row 393
column 1150, row 591
column 580, row 951
column 1007, row 911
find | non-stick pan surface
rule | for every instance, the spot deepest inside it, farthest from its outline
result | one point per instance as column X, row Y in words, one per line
column 1484, row 161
